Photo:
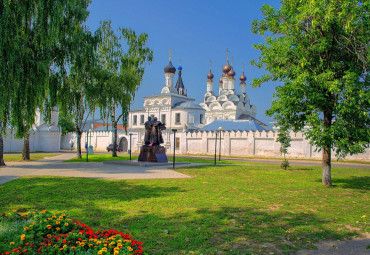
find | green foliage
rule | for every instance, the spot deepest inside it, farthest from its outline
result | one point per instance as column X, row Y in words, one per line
column 67, row 124
column 319, row 50
column 120, row 71
column 285, row 164
column 35, row 40
column 284, row 139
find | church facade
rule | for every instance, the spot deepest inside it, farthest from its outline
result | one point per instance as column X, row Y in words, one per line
column 225, row 119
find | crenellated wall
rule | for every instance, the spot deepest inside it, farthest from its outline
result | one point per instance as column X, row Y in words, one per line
column 233, row 143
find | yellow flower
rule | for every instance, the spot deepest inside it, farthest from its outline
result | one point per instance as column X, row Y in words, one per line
column 104, row 249
column 98, row 242
column 129, row 248
column 23, row 237
column 26, row 228
column 54, row 216
column 48, row 226
column 45, row 220
column 57, row 229
column 66, row 224
column 63, row 214
column 57, row 222
column 82, row 244
column 49, row 218
column 44, row 211
column 90, row 245
column 73, row 247
column 116, row 253
column 100, row 252
column 11, row 243
column 65, row 246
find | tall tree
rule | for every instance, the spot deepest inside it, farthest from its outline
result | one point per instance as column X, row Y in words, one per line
column 120, row 73
column 77, row 97
column 35, row 41
column 319, row 50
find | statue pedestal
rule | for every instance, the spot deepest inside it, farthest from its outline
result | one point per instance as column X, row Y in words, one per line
column 153, row 154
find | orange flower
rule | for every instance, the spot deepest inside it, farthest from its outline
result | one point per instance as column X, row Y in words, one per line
column 66, row 224
column 48, row 226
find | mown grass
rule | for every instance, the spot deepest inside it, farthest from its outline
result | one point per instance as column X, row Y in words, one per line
column 249, row 209
column 104, row 157
column 34, row 157
column 101, row 158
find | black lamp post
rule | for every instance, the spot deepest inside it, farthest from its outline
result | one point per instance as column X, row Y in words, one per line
column 87, row 146
column 174, row 147
column 130, row 145
column 219, row 155
column 215, row 147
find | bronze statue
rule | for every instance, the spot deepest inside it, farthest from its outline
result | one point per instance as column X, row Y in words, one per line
column 148, row 128
column 152, row 151
column 156, row 137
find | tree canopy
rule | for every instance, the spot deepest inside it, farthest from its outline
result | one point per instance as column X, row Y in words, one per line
column 120, row 71
column 319, row 50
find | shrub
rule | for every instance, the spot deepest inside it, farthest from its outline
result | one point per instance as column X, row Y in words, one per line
column 285, row 164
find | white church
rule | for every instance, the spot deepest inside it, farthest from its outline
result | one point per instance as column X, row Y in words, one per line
column 225, row 118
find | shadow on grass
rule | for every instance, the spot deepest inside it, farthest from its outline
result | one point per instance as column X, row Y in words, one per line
column 230, row 230
column 353, row 182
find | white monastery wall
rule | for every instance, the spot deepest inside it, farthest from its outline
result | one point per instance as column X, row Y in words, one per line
column 39, row 141
column 233, row 143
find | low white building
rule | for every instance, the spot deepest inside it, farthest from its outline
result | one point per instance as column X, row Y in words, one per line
column 43, row 136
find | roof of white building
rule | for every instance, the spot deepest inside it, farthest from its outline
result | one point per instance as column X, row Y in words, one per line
column 229, row 125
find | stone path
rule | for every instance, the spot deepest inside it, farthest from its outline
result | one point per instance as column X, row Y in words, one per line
column 55, row 166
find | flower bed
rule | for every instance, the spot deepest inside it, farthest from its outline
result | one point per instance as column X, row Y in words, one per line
column 49, row 233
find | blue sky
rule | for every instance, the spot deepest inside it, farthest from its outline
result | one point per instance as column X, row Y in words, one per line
column 197, row 32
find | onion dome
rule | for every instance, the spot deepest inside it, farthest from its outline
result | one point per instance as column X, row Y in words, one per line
column 231, row 73
column 179, row 68
column 210, row 76
column 220, row 80
column 243, row 79
column 170, row 68
column 226, row 68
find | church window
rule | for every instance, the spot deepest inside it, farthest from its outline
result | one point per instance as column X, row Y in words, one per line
column 134, row 120
column 177, row 118
column 163, row 118
column 177, row 146
column 191, row 118
column 142, row 119
column 201, row 119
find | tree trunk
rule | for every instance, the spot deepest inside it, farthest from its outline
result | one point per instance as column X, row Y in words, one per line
column 78, row 133
column 2, row 163
column 114, row 151
column 326, row 166
column 326, row 152
column 26, row 148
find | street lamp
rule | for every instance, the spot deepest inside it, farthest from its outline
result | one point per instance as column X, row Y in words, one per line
column 215, row 147
column 174, row 147
column 130, row 145
column 87, row 145
column 219, row 155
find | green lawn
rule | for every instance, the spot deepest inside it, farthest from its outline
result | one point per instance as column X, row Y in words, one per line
column 250, row 209
column 105, row 157
column 34, row 157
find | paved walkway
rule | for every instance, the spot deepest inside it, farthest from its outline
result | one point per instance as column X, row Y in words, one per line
column 55, row 166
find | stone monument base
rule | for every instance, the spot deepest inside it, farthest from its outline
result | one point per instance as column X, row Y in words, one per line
column 153, row 154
